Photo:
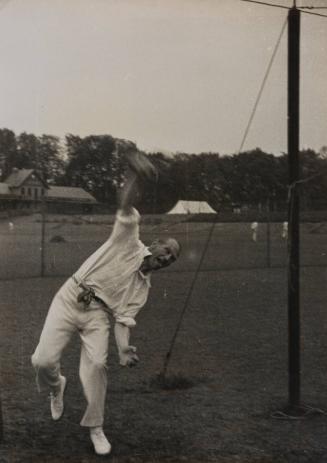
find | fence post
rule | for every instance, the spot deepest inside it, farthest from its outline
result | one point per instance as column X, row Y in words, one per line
column 268, row 242
column 1, row 422
column 43, row 220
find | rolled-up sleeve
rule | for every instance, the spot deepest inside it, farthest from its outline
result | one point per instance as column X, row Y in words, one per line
column 127, row 316
column 127, row 321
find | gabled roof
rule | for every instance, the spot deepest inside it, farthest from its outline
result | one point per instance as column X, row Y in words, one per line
column 192, row 207
column 19, row 176
column 4, row 189
column 70, row 193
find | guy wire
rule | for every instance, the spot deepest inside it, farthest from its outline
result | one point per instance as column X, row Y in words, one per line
column 262, row 87
column 163, row 372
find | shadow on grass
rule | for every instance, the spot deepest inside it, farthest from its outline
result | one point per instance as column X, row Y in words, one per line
column 172, row 382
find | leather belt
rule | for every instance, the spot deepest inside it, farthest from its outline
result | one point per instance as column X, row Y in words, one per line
column 87, row 294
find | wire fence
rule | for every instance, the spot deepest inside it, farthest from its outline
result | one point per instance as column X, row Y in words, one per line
column 56, row 245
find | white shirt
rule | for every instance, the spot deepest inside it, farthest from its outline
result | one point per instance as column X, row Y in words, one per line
column 113, row 270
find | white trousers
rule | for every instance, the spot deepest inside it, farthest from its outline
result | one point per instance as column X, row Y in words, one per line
column 65, row 317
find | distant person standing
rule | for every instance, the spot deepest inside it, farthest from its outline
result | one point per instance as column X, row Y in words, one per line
column 114, row 280
column 254, row 228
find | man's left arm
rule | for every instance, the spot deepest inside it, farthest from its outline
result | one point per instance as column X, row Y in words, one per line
column 127, row 353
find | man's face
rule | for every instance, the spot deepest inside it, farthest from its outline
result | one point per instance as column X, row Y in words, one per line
column 163, row 253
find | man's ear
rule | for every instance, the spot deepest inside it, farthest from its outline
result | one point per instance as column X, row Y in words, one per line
column 154, row 243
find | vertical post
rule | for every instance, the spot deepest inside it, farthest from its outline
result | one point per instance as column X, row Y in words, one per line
column 1, row 422
column 268, row 242
column 43, row 219
column 293, row 231
column 268, row 235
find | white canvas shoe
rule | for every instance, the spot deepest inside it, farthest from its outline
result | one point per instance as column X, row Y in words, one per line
column 99, row 440
column 57, row 400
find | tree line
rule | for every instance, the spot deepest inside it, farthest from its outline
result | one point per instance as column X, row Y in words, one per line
column 252, row 179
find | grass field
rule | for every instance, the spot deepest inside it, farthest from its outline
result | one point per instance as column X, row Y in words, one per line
column 230, row 247
column 231, row 352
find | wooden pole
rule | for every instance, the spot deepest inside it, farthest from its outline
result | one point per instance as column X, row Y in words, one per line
column 1, row 422
column 268, row 236
column 43, row 220
column 293, row 230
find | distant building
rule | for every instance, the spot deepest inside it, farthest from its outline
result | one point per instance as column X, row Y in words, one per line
column 26, row 184
column 22, row 189
column 4, row 190
column 69, row 193
column 25, row 189
column 65, row 199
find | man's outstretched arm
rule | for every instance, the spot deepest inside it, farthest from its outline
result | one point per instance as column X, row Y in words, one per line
column 130, row 192
column 140, row 169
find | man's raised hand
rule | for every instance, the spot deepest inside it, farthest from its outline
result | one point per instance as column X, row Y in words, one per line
column 141, row 165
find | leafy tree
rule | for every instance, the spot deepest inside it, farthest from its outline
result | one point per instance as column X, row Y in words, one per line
column 49, row 159
column 160, row 196
column 40, row 153
column 281, row 182
column 254, row 178
column 8, row 152
column 94, row 163
column 313, row 188
column 27, row 151
column 200, row 178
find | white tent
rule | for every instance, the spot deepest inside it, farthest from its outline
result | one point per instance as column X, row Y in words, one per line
column 192, row 207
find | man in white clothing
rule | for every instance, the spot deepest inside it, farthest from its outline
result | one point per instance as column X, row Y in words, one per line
column 114, row 280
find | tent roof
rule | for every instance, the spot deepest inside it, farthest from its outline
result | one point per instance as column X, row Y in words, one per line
column 192, row 207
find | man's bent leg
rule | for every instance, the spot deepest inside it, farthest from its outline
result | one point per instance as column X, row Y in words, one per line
column 55, row 335
column 93, row 365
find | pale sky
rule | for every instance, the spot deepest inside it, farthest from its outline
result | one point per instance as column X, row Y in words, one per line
column 171, row 75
